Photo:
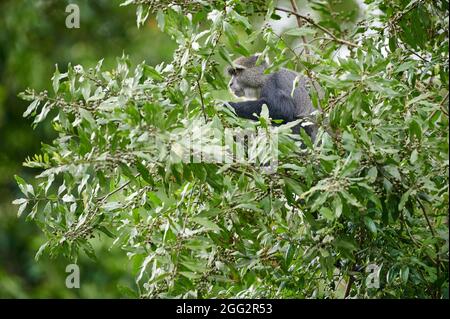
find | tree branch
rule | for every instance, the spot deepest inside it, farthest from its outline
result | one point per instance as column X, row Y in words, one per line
column 300, row 24
column 201, row 100
column 311, row 21
column 441, row 106
column 103, row 198
column 348, row 287
column 426, row 218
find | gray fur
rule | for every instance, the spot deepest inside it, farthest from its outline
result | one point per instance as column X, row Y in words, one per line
column 274, row 90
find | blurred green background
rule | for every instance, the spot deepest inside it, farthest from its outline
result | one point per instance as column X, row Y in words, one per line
column 33, row 38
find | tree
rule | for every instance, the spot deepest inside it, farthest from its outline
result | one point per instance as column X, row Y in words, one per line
column 371, row 194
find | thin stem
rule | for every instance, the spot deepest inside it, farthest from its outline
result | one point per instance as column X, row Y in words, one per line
column 300, row 24
column 348, row 288
column 426, row 218
column 103, row 198
column 201, row 100
column 441, row 106
column 311, row 21
column 433, row 233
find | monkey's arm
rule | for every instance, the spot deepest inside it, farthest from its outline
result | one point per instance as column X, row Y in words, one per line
column 247, row 108
column 280, row 106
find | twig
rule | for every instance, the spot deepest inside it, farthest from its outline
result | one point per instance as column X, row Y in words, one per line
column 426, row 218
column 300, row 24
column 201, row 99
column 433, row 233
column 351, row 279
column 103, row 198
column 311, row 21
column 441, row 106
column 416, row 54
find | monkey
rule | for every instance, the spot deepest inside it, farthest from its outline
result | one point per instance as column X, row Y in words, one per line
column 275, row 90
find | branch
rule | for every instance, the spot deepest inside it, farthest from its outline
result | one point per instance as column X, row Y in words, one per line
column 441, row 106
column 299, row 23
column 201, row 99
column 433, row 233
column 311, row 21
column 348, row 287
column 103, row 198
column 426, row 218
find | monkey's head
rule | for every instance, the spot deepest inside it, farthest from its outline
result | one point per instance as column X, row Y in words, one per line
column 247, row 78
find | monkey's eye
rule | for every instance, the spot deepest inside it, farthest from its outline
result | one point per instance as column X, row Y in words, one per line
column 232, row 71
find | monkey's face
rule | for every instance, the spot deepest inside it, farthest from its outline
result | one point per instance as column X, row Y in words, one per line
column 247, row 79
column 238, row 83
column 235, row 85
column 236, row 88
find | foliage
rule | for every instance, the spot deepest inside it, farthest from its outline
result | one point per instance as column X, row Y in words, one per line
column 372, row 189
column 33, row 39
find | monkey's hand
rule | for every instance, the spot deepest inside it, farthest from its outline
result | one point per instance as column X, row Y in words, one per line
column 227, row 107
column 231, row 105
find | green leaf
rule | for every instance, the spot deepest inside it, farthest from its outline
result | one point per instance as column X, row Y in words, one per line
column 372, row 174
column 145, row 173
column 241, row 19
column 85, row 114
column 150, row 71
column 414, row 156
column 44, row 111
column 293, row 185
column 370, row 224
column 350, row 199
column 24, row 187
column 195, row 265
column 160, row 19
column 298, row 32
column 206, row 223
column 105, row 230
column 275, row 16
column 415, row 129
column 337, row 203
column 290, row 252
column 319, row 201
column 32, row 107
column 393, row 171
column 41, row 250
column 190, row 275
column 327, row 213
column 20, row 201
column 249, row 207
column 57, row 77
column 404, row 199
column 405, row 66
column 404, row 274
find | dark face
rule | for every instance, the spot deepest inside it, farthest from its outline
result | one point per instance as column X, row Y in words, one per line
column 235, row 86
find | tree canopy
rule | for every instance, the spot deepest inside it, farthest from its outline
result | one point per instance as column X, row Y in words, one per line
column 370, row 193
